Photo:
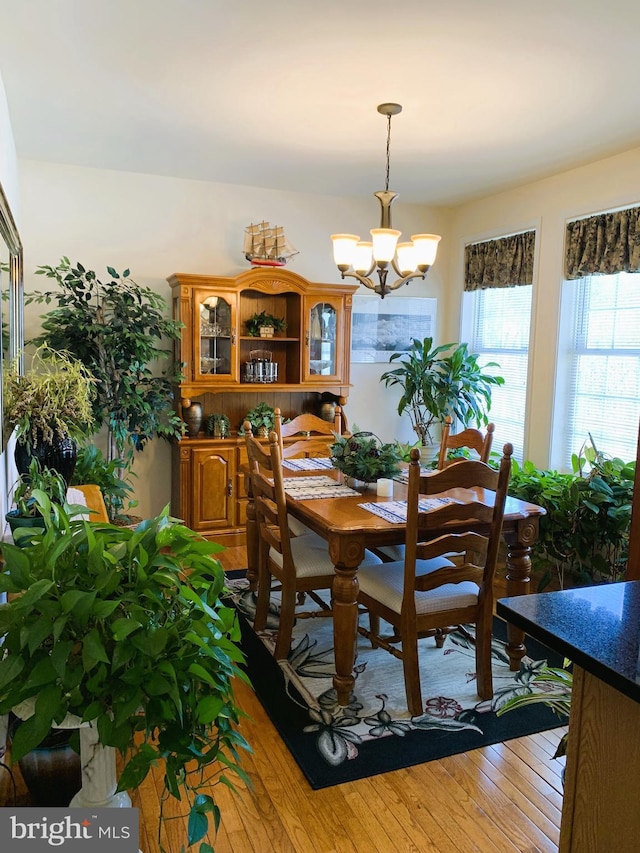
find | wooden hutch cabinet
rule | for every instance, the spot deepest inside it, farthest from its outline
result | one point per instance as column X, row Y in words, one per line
column 309, row 364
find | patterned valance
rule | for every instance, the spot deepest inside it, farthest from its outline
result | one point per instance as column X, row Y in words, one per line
column 504, row 262
column 605, row 244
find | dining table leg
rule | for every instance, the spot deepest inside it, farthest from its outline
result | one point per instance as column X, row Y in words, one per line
column 518, row 578
column 346, row 553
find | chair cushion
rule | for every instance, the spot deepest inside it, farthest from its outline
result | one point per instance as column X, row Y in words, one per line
column 297, row 528
column 311, row 556
column 385, row 584
column 394, row 552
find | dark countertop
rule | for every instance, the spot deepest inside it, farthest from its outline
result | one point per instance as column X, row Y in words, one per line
column 596, row 627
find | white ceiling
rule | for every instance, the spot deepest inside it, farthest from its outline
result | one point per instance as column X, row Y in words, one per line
column 283, row 93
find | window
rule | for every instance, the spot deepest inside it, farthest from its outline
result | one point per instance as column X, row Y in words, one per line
column 601, row 365
column 498, row 330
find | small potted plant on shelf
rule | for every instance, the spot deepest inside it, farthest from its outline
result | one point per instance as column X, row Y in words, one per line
column 264, row 325
column 261, row 418
column 218, row 425
column 125, row 631
column 362, row 456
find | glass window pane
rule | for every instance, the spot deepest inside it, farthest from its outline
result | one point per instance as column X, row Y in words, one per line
column 501, row 333
column 604, row 388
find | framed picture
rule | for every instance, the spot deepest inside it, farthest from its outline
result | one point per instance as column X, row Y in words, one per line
column 381, row 327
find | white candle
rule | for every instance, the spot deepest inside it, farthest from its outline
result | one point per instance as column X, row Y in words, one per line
column 385, row 488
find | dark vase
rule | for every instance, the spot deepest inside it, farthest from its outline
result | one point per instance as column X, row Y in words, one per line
column 192, row 416
column 58, row 455
column 51, row 771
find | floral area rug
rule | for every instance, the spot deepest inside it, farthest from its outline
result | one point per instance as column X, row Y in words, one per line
column 375, row 733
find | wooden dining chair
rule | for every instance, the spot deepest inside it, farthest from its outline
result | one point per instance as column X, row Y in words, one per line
column 420, row 599
column 311, row 429
column 300, row 564
column 470, row 438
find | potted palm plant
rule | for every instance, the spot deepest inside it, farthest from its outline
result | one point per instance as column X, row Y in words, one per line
column 440, row 381
column 50, row 408
column 126, row 631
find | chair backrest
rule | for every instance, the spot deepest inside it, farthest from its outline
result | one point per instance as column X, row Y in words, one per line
column 309, row 427
column 473, row 439
column 475, row 523
column 267, row 485
column 309, row 447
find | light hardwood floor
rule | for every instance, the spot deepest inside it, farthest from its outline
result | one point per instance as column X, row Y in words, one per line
column 503, row 798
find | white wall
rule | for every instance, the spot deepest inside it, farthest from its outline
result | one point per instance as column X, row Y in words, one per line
column 158, row 226
column 8, row 166
column 546, row 205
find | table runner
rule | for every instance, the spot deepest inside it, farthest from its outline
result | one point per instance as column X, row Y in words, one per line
column 307, row 488
column 396, row 511
column 307, row 464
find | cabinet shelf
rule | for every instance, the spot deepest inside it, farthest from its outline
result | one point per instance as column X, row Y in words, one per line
column 275, row 339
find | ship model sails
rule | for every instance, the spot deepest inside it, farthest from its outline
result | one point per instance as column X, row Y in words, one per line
column 266, row 245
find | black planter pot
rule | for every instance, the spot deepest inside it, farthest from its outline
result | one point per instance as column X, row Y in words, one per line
column 58, row 455
column 34, row 524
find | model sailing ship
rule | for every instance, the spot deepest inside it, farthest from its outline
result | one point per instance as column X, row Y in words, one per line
column 266, row 245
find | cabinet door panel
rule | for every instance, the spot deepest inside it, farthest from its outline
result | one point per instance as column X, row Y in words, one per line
column 213, row 485
column 215, row 337
column 323, row 356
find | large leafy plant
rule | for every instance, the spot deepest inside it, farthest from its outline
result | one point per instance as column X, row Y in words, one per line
column 584, row 536
column 115, row 328
column 126, row 629
column 440, row 381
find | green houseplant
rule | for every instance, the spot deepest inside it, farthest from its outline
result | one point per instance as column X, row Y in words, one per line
column 93, row 467
column 50, row 408
column 547, row 685
column 261, row 418
column 440, row 381
column 37, row 482
column 263, row 320
column 126, row 629
column 584, row 536
column 218, row 425
column 362, row 456
column 115, row 327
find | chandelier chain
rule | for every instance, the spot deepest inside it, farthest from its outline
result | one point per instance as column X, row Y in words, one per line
column 386, row 186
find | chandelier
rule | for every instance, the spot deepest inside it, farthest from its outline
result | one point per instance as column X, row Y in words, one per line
column 360, row 259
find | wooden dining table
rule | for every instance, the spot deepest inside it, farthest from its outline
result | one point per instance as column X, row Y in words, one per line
column 349, row 530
